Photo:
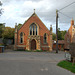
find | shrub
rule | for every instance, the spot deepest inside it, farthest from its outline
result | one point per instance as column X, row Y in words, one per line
column 38, row 50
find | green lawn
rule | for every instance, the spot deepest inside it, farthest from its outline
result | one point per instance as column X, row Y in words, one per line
column 67, row 65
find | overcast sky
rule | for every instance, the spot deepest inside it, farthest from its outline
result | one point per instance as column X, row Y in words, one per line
column 18, row 11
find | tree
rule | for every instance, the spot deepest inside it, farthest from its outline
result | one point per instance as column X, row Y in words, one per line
column 61, row 35
column 8, row 33
column 53, row 36
column 1, row 10
column 2, row 27
column 0, row 3
column 19, row 25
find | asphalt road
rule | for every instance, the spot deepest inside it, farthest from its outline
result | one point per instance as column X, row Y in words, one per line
column 32, row 63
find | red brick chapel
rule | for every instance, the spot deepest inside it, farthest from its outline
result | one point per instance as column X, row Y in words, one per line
column 70, row 35
column 33, row 35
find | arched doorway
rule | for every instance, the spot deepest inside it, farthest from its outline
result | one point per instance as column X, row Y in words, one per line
column 33, row 45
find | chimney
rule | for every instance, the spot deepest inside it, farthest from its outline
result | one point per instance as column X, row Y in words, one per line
column 72, row 22
column 50, row 29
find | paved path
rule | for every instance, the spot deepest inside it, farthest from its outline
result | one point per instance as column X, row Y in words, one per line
column 32, row 63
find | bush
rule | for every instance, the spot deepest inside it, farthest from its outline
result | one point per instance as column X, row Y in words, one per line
column 28, row 50
column 38, row 51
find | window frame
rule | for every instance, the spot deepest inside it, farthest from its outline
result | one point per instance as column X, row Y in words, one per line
column 45, row 40
column 21, row 38
column 34, row 29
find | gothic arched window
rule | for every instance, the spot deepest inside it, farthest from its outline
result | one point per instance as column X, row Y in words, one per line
column 45, row 38
column 33, row 29
column 21, row 37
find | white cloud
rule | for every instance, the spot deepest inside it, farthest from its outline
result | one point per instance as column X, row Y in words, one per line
column 19, row 10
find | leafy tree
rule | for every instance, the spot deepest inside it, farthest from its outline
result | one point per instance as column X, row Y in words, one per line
column 2, row 27
column 19, row 26
column 0, row 3
column 53, row 36
column 61, row 35
column 1, row 10
column 8, row 33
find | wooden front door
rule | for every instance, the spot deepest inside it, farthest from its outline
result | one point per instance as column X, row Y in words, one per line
column 33, row 45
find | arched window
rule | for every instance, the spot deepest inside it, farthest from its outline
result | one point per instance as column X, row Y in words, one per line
column 21, row 37
column 33, row 29
column 45, row 38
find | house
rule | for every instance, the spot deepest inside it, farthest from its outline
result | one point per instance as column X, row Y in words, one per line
column 7, row 41
column 70, row 35
column 60, row 45
column 33, row 35
column 1, row 42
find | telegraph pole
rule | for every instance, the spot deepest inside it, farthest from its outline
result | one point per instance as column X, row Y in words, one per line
column 56, row 31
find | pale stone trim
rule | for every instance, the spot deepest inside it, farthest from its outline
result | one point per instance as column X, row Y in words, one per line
column 21, row 46
column 36, row 38
column 37, row 28
column 32, row 30
column 45, row 46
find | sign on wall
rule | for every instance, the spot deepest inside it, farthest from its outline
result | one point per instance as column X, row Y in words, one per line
column 68, row 56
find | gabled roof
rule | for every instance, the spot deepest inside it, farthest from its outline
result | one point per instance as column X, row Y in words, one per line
column 34, row 14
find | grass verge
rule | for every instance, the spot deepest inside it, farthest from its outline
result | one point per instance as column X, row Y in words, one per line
column 67, row 65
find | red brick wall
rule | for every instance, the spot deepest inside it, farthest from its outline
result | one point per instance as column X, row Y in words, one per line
column 59, row 46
